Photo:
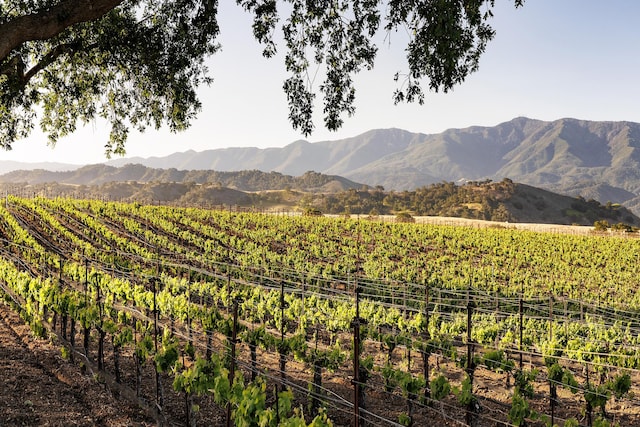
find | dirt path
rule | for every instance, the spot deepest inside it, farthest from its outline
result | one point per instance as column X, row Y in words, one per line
column 39, row 388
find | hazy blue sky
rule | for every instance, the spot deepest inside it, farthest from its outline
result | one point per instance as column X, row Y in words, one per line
column 550, row 59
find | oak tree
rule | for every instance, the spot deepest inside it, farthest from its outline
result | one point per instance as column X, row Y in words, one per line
column 138, row 63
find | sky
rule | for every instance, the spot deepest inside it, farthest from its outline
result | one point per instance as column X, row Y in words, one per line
column 550, row 59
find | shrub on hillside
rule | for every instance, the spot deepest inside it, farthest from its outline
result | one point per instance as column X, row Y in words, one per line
column 601, row 225
column 405, row 217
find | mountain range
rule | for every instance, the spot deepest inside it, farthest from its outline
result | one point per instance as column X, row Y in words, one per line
column 592, row 159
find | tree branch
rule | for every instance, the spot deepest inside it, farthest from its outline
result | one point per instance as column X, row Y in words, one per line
column 15, row 67
column 50, row 22
column 48, row 59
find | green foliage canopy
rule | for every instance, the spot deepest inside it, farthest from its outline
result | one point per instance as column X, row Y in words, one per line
column 138, row 63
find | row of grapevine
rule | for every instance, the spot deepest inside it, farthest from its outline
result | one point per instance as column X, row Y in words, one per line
column 250, row 258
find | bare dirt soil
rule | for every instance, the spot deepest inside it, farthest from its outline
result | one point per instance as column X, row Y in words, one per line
column 40, row 388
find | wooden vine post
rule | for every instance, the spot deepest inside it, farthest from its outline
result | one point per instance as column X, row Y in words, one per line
column 356, row 323
column 426, row 351
column 228, row 286
column 470, row 366
column 520, row 327
column 86, row 328
column 72, row 331
column 234, row 341
column 101, row 331
column 357, row 386
column 154, row 281
column 566, row 323
column 64, row 308
column 589, row 407
column 189, row 331
column 550, row 317
column 282, row 351
column 60, row 269
column 86, row 279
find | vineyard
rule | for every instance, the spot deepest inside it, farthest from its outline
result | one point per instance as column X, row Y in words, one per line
column 224, row 318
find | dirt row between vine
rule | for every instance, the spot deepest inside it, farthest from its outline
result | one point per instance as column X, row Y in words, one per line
column 39, row 388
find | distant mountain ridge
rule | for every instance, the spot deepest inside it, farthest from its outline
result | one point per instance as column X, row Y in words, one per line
column 598, row 160
column 12, row 165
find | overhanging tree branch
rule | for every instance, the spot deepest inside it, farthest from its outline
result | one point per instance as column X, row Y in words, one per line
column 48, row 23
column 15, row 67
column 104, row 57
column 49, row 58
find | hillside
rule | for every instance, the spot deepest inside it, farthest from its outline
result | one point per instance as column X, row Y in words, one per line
column 246, row 180
column 486, row 200
column 598, row 160
column 495, row 201
column 593, row 160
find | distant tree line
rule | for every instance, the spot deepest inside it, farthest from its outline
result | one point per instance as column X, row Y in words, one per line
column 474, row 200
